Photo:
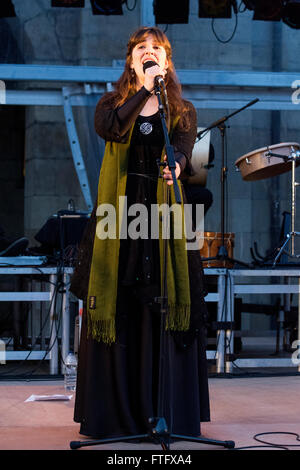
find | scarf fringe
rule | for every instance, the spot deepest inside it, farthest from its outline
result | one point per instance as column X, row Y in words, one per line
column 178, row 317
column 102, row 330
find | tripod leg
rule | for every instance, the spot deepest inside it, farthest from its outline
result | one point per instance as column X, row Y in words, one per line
column 78, row 444
column 203, row 440
column 281, row 249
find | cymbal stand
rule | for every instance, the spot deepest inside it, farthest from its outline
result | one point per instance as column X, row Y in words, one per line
column 293, row 157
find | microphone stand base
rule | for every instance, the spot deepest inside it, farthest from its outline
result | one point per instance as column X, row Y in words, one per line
column 159, row 435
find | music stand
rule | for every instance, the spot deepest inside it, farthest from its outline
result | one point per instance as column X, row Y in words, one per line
column 160, row 431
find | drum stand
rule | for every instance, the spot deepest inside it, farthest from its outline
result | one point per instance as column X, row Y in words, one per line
column 290, row 236
column 160, row 432
column 220, row 124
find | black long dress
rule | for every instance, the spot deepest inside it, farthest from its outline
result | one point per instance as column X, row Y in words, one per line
column 117, row 386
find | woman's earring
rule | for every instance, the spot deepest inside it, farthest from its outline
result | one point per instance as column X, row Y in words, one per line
column 132, row 73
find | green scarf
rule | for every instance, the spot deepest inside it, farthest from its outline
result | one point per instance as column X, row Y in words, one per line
column 103, row 281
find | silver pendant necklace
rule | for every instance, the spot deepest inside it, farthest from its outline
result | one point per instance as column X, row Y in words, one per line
column 146, row 128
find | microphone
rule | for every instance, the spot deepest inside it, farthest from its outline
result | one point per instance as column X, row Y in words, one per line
column 150, row 63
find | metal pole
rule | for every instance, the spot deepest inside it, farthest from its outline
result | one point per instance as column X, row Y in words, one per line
column 53, row 324
column 78, row 159
column 287, row 309
column 293, row 206
column 221, row 333
column 65, row 335
column 229, row 318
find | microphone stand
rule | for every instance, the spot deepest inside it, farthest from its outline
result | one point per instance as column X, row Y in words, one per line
column 220, row 124
column 160, row 431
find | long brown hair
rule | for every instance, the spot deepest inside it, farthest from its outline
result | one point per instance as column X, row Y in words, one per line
column 126, row 84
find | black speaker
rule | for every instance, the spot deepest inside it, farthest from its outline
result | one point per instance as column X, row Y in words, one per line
column 62, row 233
column 68, row 3
column 7, row 9
column 215, row 8
column 171, row 11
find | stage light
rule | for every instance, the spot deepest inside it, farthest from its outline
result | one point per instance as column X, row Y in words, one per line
column 7, row 9
column 67, row 3
column 265, row 10
column 104, row 7
column 171, row 11
column 268, row 10
column 215, row 8
column 291, row 14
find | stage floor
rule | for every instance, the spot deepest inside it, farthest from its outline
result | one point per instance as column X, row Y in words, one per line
column 240, row 408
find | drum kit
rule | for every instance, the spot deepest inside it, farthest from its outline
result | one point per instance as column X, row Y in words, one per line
column 217, row 247
column 272, row 161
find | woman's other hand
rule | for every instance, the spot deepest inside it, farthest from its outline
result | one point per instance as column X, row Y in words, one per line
column 167, row 172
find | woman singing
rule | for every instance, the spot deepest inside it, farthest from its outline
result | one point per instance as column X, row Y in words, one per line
column 119, row 277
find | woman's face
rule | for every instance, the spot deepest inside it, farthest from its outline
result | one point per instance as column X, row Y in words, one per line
column 144, row 51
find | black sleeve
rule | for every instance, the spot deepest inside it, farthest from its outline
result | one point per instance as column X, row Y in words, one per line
column 113, row 124
column 183, row 140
